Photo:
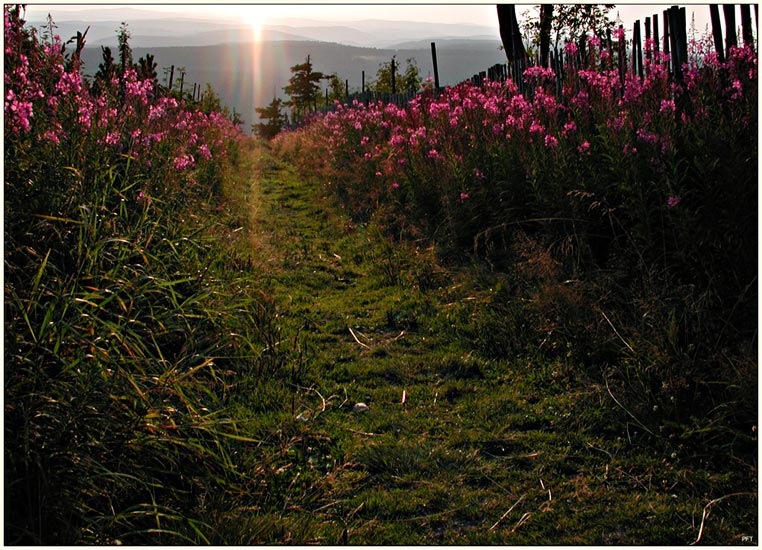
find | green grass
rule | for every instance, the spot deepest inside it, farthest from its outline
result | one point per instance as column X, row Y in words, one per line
column 489, row 447
column 194, row 383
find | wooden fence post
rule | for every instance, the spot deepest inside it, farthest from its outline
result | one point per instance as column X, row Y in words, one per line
column 682, row 35
column 748, row 36
column 729, row 10
column 611, row 50
column 637, row 50
column 667, row 31
column 673, row 30
column 678, row 39
column 655, row 19
column 394, row 79
column 647, row 24
column 714, row 12
column 436, row 69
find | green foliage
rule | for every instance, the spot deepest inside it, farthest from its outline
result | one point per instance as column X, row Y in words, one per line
column 184, row 347
column 336, row 88
column 106, row 71
column 303, row 88
column 570, row 22
column 409, row 81
column 274, row 119
column 122, row 324
column 146, row 69
column 125, row 51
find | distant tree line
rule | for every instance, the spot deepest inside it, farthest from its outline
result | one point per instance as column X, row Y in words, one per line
column 111, row 71
column 305, row 93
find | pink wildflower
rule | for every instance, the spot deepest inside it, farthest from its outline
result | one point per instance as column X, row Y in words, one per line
column 184, row 162
column 667, row 106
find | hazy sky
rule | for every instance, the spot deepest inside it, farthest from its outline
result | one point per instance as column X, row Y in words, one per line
column 436, row 12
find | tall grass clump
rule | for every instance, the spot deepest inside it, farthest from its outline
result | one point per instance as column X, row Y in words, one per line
column 621, row 213
column 127, row 323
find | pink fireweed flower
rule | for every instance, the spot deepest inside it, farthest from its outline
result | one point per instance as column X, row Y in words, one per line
column 584, row 147
column 538, row 75
column 20, row 112
column 463, row 196
column 184, row 162
column 647, row 137
column 434, row 154
column 395, row 185
column 667, row 106
column 737, row 90
column 673, row 201
column 52, row 135
column 550, row 141
column 203, row 152
column 84, row 115
column 593, row 41
column 69, row 83
column 571, row 48
column 397, row 140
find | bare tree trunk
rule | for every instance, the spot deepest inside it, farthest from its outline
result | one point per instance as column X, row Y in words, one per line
column 510, row 33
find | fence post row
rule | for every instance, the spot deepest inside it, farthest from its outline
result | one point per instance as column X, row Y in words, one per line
column 673, row 41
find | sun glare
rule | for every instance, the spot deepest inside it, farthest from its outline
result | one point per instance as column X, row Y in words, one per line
column 256, row 19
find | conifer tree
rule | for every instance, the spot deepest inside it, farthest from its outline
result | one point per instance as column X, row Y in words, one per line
column 125, row 52
column 106, row 71
column 273, row 119
column 303, row 88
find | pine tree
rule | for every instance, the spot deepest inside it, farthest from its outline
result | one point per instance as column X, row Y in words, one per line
column 274, row 119
column 106, row 72
column 125, row 52
column 303, row 88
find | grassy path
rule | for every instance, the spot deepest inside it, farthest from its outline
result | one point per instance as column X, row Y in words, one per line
column 455, row 448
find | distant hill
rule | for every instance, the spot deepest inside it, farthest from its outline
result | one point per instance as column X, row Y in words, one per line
column 248, row 75
column 148, row 30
